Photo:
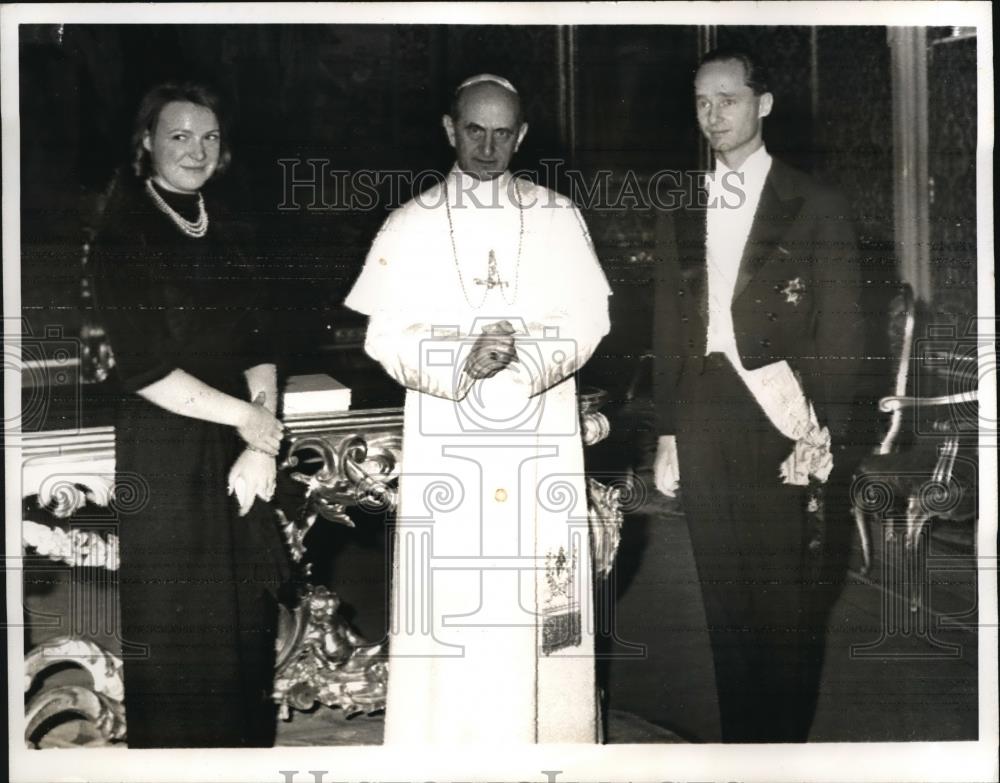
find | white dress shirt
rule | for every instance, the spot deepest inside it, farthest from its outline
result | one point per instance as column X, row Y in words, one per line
column 733, row 197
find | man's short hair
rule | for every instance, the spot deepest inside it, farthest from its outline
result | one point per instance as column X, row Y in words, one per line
column 756, row 72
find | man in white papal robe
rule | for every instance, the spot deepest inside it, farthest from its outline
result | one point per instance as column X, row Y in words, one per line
column 484, row 298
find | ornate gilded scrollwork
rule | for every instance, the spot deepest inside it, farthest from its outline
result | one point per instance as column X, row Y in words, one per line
column 75, row 547
column 350, row 471
column 594, row 425
column 606, row 517
column 100, row 706
column 604, row 501
column 321, row 659
column 353, row 461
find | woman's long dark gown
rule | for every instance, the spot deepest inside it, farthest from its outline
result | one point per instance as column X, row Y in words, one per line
column 197, row 582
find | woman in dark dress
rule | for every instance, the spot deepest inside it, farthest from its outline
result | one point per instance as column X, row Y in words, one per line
column 201, row 555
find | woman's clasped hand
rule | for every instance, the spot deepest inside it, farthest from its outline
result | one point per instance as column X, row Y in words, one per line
column 261, row 429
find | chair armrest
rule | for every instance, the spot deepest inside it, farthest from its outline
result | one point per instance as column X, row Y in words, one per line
column 898, row 402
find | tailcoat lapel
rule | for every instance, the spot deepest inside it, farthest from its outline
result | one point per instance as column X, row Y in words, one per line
column 778, row 209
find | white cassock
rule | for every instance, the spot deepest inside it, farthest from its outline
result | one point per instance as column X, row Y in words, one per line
column 492, row 627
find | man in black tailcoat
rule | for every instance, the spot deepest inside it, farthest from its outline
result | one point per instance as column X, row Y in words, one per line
column 758, row 338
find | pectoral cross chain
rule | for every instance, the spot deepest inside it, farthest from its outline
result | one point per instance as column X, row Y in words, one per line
column 492, row 275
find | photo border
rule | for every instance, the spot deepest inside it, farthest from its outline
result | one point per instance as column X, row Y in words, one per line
column 950, row 761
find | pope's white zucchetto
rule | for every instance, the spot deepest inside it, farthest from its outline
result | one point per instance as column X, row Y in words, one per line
column 486, row 77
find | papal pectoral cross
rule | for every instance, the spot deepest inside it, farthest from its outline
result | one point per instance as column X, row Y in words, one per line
column 492, row 275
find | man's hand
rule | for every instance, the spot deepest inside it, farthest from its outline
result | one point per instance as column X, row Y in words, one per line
column 493, row 351
column 260, row 428
column 666, row 471
column 252, row 475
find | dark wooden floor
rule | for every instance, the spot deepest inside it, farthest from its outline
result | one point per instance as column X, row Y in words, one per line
column 326, row 726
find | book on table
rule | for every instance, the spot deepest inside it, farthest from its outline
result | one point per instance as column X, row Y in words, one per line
column 314, row 394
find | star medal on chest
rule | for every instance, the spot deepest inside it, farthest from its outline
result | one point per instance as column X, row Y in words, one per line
column 794, row 290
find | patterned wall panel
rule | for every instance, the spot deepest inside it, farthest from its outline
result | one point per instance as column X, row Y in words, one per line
column 952, row 168
column 854, row 125
column 634, row 117
column 854, row 152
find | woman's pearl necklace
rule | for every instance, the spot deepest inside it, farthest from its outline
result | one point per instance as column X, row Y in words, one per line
column 194, row 229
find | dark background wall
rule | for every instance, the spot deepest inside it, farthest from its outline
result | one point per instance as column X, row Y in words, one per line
column 370, row 97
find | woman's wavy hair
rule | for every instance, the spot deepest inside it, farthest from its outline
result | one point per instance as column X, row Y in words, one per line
column 148, row 115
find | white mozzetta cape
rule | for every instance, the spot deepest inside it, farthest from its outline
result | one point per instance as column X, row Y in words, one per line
column 492, row 628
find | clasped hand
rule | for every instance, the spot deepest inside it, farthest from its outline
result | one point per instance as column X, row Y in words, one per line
column 260, row 428
column 493, row 351
column 666, row 468
column 253, row 475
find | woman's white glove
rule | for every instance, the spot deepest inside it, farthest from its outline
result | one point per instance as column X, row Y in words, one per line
column 666, row 471
column 253, row 475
